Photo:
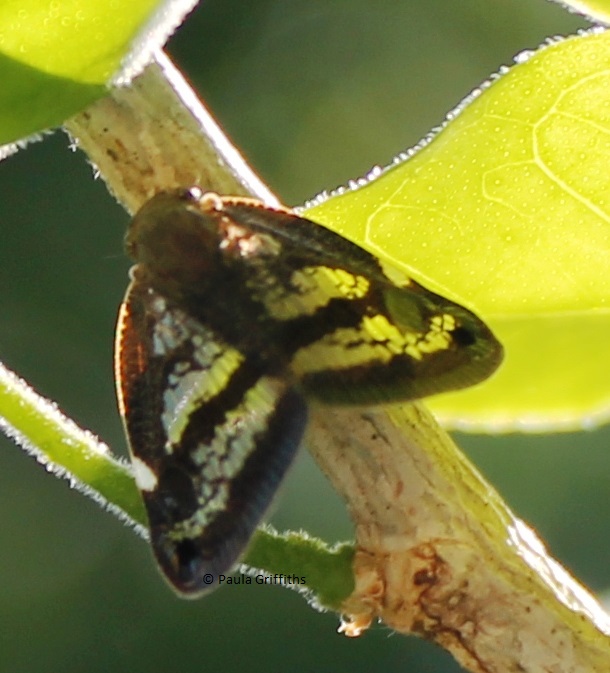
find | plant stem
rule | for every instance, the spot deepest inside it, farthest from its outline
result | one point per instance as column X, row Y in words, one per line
column 67, row 451
column 438, row 553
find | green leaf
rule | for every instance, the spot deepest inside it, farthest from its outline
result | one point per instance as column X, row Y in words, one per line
column 596, row 10
column 56, row 56
column 31, row 100
column 507, row 211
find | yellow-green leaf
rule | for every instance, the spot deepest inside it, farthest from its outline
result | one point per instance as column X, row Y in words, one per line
column 507, row 210
column 597, row 10
column 57, row 55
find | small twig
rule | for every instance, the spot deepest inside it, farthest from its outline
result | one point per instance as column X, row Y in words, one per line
column 67, row 451
column 155, row 134
column 438, row 552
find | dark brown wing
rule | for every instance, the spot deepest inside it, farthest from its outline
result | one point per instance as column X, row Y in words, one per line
column 211, row 436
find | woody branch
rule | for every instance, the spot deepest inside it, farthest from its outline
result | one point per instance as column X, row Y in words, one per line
column 438, row 552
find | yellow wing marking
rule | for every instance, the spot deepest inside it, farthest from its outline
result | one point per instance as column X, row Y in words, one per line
column 376, row 341
column 188, row 390
column 224, row 457
column 309, row 289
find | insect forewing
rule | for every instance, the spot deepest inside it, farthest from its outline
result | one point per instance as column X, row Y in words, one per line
column 211, row 437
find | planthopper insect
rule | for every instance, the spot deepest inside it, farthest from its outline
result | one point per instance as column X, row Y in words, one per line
column 237, row 318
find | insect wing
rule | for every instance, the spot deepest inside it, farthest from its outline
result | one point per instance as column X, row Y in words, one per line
column 353, row 330
column 211, row 436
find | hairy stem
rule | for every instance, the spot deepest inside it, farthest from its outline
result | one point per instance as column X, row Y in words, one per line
column 437, row 551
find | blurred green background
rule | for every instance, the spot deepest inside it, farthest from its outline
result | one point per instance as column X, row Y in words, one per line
column 314, row 93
